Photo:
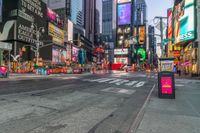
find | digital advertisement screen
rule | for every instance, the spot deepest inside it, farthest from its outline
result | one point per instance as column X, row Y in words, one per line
column 184, row 20
column 54, row 17
column 121, row 51
column 75, row 54
column 170, row 27
column 123, row 1
column 121, row 60
column 166, row 85
column 56, row 33
column 124, row 14
column 142, row 35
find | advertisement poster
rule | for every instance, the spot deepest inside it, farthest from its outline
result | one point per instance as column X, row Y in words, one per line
column 123, row 1
column 142, row 35
column 167, row 66
column 184, row 22
column 121, row 60
column 54, row 17
column 170, row 28
column 75, row 54
column 121, row 51
column 56, row 33
column 124, row 14
column 69, row 51
column 31, row 12
column 166, row 85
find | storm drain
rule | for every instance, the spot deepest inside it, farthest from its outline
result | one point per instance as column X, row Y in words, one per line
column 119, row 90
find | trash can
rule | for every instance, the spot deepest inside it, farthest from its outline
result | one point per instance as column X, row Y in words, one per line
column 166, row 85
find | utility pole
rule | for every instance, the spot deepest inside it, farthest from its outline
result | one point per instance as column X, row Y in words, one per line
column 161, row 32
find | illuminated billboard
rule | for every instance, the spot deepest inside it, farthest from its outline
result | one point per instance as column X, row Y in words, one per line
column 184, row 20
column 124, row 14
column 121, row 51
column 123, row 1
column 56, row 33
column 142, row 35
column 170, row 27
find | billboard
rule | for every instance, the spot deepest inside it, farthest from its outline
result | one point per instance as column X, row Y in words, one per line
column 56, row 33
column 170, row 27
column 121, row 60
column 56, row 4
column 36, row 15
column 54, row 17
column 142, row 35
column 75, row 54
column 184, row 20
column 121, row 51
column 70, row 30
column 124, row 14
column 123, row 1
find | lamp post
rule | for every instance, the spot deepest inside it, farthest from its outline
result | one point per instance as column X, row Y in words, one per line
column 38, row 33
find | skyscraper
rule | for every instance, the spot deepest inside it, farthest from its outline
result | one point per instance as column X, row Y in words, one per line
column 89, row 10
column 141, row 12
column 109, row 20
column 72, row 9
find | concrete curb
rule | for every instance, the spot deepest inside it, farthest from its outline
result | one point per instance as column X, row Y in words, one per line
column 140, row 114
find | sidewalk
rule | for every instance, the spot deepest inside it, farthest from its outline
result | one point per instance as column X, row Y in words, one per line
column 181, row 115
column 27, row 76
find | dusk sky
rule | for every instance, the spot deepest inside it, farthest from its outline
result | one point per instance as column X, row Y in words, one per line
column 157, row 8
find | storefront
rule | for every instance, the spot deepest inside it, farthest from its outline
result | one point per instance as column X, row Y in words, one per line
column 189, row 62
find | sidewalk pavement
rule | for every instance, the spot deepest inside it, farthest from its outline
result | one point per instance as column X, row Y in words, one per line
column 181, row 115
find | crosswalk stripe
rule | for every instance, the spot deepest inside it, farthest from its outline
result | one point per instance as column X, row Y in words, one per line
column 106, row 80
column 96, row 80
column 139, row 84
column 122, row 82
column 131, row 83
column 115, row 81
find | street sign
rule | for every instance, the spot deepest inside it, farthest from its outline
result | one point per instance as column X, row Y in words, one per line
column 5, row 46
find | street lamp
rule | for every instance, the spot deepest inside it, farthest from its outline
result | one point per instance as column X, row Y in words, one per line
column 38, row 33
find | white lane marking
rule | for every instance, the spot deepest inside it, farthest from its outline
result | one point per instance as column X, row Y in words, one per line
column 118, row 82
column 106, row 80
column 119, row 90
column 131, row 83
column 125, row 91
column 96, row 80
column 179, row 85
column 115, row 81
column 122, row 82
column 140, row 84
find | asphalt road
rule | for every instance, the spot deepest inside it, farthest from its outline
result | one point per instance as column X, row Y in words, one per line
column 103, row 103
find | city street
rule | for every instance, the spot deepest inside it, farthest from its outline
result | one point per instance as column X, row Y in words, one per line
column 101, row 103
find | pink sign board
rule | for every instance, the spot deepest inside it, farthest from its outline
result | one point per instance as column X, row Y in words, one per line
column 166, row 85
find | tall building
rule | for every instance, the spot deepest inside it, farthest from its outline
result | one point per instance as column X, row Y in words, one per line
column 152, row 43
column 73, row 9
column 109, row 25
column 89, row 10
column 141, row 12
column 109, row 20
column 76, row 12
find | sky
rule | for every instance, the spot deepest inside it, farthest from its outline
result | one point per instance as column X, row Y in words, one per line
column 157, row 8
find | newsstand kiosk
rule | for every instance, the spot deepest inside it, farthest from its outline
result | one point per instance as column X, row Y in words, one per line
column 166, row 80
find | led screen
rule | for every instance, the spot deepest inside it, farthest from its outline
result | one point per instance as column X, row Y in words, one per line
column 184, row 21
column 170, row 27
column 124, row 14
